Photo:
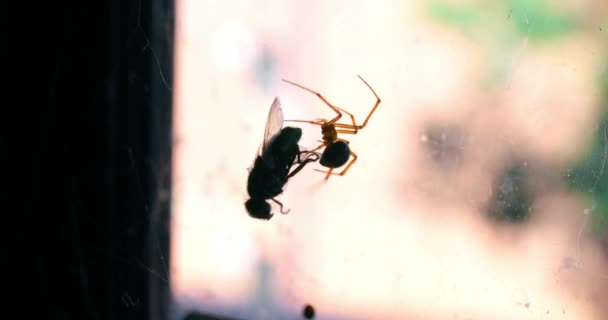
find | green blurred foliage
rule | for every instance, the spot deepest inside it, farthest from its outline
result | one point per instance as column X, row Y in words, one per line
column 535, row 19
column 501, row 28
column 465, row 18
column 548, row 22
column 589, row 175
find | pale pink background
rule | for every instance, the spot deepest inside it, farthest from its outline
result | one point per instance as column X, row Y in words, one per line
column 395, row 238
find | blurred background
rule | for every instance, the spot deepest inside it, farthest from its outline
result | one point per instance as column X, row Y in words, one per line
column 481, row 187
column 480, row 190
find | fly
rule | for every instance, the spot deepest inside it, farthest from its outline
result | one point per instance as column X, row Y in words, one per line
column 273, row 165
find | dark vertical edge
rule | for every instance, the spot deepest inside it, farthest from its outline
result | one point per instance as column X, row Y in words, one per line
column 160, row 154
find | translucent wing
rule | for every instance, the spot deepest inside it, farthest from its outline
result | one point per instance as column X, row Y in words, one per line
column 273, row 124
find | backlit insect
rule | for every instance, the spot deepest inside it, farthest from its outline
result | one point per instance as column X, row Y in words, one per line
column 337, row 150
column 271, row 170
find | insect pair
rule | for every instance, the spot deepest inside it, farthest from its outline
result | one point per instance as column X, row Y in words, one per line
column 280, row 152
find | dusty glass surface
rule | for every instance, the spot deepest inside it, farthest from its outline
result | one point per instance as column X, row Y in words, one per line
column 481, row 185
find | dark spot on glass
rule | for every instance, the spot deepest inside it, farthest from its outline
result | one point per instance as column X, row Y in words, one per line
column 512, row 200
column 308, row 312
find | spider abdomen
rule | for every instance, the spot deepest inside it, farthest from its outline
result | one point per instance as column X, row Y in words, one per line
column 335, row 155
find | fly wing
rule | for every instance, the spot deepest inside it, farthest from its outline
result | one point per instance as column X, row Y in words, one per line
column 273, row 124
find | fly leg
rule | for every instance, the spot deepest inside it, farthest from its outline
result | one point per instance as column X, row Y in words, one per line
column 281, row 205
column 311, row 157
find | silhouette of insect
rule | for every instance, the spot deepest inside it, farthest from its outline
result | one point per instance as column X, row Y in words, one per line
column 337, row 151
column 271, row 169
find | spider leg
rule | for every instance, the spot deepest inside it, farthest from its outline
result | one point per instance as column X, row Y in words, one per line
column 306, row 121
column 334, row 108
column 355, row 126
column 281, row 205
column 329, row 172
column 349, row 131
column 347, row 126
column 375, row 106
column 319, row 147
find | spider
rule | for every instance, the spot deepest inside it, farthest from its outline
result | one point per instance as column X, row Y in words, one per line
column 337, row 151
